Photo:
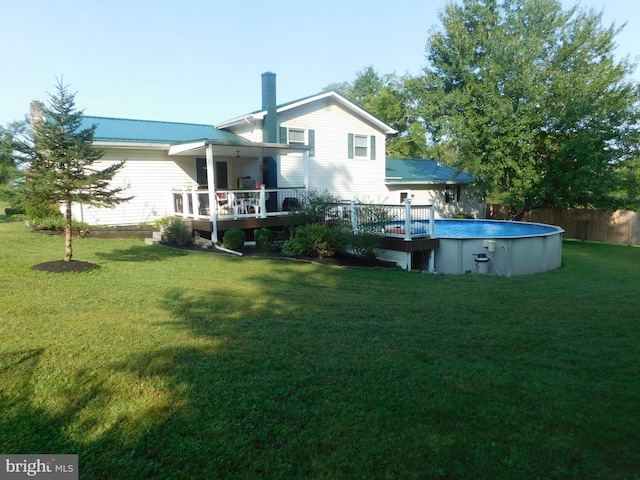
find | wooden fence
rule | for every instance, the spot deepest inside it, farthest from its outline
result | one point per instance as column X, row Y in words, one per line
column 620, row 226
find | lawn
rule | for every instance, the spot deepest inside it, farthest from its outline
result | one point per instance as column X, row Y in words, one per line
column 174, row 364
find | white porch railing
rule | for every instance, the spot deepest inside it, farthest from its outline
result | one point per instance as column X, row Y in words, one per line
column 401, row 221
column 190, row 202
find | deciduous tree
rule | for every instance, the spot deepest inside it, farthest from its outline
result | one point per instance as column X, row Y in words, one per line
column 533, row 99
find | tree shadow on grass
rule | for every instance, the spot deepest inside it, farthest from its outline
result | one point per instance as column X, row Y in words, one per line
column 141, row 253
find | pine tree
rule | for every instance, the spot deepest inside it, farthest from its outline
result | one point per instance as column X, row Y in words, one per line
column 62, row 169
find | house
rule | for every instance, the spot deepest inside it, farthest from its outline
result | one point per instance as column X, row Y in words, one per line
column 452, row 192
column 247, row 172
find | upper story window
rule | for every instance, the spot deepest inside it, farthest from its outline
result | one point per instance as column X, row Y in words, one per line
column 301, row 136
column 362, row 146
column 297, row 135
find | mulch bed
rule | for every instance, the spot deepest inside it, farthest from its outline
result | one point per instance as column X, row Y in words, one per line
column 60, row 266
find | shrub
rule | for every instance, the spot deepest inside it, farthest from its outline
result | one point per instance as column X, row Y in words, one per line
column 315, row 241
column 162, row 223
column 265, row 239
column 178, row 233
column 40, row 211
column 58, row 223
column 314, row 208
column 364, row 244
column 12, row 211
column 234, row 239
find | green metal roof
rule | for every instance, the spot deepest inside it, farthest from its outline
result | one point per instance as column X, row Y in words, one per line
column 406, row 170
column 151, row 131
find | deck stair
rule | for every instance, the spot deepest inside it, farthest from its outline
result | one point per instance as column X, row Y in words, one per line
column 156, row 238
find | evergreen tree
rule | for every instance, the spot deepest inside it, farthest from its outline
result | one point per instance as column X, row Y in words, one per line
column 62, row 170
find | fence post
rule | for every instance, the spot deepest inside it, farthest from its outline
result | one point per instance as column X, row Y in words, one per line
column 354, row 216
column 432, row 220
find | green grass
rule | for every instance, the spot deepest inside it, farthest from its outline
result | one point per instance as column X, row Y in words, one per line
column 173, row 364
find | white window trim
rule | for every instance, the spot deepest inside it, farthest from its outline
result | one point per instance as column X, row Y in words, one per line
column 304, row 130
column 354, row 148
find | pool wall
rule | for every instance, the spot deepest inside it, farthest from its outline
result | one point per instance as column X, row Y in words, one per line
column 517, row 254
column 510, row 256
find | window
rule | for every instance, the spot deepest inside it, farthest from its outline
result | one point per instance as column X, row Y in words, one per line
column 296, row 136
column 362, row 146
column 299, row 136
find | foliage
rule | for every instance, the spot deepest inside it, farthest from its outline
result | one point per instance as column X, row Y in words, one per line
column 162, row 223
column 58, row 224
column 286, row 370
column 315, row 207
column 234, row 239
column 315, row 240
column 11, row 142
column 533, row 100
column 363, row 244
column 265, row 239
column 37, row 211
column 177, row 232
column 62, row 169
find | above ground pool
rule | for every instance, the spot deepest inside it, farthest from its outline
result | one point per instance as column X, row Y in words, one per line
column 492, row 247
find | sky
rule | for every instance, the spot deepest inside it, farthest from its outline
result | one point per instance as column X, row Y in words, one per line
column 200, row 61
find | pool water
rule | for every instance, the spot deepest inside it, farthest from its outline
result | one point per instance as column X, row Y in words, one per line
column 475, row 228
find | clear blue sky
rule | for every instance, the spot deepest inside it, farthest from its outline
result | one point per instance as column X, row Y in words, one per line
column 200, row 60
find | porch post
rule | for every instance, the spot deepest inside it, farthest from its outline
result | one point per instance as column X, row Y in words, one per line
column 185, row 202
column 211, row 189
column 263, row 201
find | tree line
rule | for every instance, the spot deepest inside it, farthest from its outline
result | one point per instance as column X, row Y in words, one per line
column 524, row 95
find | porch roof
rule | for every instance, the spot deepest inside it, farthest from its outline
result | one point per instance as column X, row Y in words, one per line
column 234, row 149
column 124, row 130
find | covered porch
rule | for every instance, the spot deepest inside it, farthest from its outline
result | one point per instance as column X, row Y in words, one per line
column 238, row 180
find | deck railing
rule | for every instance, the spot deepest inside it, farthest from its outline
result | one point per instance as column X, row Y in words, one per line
column 405, row 221
column 401, row 221
column 190, row 202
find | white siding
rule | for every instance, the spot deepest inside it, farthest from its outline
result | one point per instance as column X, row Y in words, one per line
column 331, row 169
column 251, row 130
column 149, row 176
column 469, row 204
